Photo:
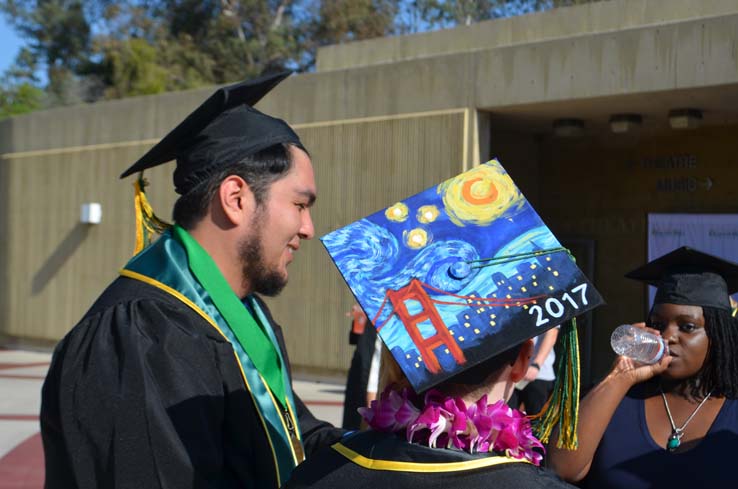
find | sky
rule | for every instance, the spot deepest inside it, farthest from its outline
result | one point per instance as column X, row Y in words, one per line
column 10, row 43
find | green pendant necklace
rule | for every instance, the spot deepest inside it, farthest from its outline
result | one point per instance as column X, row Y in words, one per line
column 675, row 439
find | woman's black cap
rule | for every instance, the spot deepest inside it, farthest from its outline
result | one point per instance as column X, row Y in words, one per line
column 222, row 130
column 690, row 277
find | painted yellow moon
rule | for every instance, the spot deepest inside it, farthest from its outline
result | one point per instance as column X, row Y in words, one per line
column 479, row 196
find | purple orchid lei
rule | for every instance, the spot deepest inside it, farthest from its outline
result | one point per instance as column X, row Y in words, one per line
column 446, row 422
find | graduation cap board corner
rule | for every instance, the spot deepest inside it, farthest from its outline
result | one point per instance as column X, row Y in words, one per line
column 459, row 273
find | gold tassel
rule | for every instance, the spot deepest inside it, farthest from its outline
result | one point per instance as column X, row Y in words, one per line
column 147, row 223
column 562, row 407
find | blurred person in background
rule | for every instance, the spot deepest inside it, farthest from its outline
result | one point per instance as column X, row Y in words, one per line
column 363, row 374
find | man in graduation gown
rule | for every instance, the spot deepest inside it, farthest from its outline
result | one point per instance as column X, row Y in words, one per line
column 178, row 376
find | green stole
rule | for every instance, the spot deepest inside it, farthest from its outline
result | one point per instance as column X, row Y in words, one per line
column 166, row 265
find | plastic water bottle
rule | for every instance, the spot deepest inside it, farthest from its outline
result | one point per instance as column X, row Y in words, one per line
column 638, row 344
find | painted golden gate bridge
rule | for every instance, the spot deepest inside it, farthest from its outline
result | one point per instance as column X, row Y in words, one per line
column 416, row 291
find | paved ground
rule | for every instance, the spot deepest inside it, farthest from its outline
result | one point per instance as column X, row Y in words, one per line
column 21, row 376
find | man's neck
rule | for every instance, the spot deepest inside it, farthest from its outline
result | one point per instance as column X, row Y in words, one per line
column 498, row 390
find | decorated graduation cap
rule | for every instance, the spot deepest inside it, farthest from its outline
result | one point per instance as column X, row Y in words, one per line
column 222, row 130
column 461, row 272
column 690, row 277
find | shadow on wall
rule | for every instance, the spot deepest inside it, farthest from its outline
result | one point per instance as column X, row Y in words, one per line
column 59, row 257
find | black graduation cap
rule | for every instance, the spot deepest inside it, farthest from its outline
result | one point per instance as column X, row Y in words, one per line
column 224, row 129
column 690, row 277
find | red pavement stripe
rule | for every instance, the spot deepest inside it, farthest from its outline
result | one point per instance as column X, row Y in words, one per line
column 20, row 376
column 6, row 366
column 323, row 403
column 23, row 467
column 18, row 417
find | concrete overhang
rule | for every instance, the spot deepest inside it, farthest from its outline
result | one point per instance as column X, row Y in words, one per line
column 647, row 70
column 566, row 22
column 718, row 104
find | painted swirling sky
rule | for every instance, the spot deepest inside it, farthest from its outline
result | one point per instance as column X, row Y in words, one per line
column 476, row 215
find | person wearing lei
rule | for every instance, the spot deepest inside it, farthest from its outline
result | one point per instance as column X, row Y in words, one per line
column 673, row 424
column 459, row 434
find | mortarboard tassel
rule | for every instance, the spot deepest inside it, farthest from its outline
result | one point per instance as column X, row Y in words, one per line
column 147, row 223
column 562, row 407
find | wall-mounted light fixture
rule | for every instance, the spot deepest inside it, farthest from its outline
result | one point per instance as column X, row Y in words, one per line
column 568, row 128
column 622, row 123
column 685, row 118
column 90, row 213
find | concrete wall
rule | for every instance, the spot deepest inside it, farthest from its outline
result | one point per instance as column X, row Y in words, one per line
column 582, row 20
column 52, row 267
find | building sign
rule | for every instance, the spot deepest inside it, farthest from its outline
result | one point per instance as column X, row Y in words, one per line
column 683, row 184
column 668, row 182
column 669, row 162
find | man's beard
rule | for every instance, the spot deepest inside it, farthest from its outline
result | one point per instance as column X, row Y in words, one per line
column 256, row 276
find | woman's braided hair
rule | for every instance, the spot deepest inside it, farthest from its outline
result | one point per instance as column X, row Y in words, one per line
column 719, row 373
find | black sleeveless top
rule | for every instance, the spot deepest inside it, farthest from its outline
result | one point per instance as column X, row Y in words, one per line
column 628, row 457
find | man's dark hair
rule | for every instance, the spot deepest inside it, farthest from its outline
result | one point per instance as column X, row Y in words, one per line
column 259, row 171
column 720, row 371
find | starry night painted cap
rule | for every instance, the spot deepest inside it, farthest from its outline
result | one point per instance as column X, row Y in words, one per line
column 459, row 273
column 222, row 130
column 691, row 277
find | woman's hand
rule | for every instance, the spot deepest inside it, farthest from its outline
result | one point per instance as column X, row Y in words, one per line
column 634, row 372
column 596, row 411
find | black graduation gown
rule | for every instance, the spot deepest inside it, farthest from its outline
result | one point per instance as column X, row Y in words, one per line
column 144, row 393
column 381, row 460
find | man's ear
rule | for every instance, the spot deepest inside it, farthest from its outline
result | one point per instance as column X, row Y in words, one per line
column 520, row 365
column 235, row 199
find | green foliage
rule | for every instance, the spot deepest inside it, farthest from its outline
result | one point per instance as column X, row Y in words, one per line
column 59, row 35
column 444, row 13
column 20, row 99
column 18, row 92
column 352, row 20
column 133, row 69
